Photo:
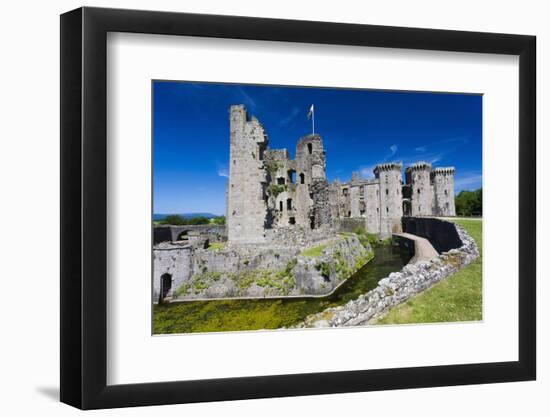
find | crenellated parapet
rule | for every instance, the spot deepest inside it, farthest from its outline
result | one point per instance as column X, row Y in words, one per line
column 444, row 171
column 389, row 166
column 419, row 166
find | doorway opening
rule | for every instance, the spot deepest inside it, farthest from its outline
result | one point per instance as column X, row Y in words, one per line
column 165, row 286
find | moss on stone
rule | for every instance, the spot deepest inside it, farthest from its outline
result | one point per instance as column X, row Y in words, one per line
column 314, row 251
column 216, row 246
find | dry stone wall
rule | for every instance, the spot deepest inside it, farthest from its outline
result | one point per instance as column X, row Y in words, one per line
column 398, row 287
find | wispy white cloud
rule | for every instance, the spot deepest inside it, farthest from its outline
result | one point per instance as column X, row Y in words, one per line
column 393, row 150
column 248, row 100
column 223, row 171
column 421, row 149
column 285, row 121
column 468, row 180
column 366, row 171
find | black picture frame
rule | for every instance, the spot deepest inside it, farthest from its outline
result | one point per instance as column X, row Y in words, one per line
column 84, row 207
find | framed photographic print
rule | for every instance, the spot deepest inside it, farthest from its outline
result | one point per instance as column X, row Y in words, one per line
column 258, row 208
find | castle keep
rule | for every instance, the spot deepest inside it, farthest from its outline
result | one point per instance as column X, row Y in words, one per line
column 269, row 192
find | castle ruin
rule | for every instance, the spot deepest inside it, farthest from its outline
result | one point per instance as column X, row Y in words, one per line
column 267, row 190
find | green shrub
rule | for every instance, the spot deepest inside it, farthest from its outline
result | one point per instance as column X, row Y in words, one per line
column 275, row 189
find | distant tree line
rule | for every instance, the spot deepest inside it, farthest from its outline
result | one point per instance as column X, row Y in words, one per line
column 177, row 220
column 469, row 203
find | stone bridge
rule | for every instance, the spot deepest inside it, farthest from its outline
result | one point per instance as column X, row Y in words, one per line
column 173, row 233
column 420, row 248
column 426, row 237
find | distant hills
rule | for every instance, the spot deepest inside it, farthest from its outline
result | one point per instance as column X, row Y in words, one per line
column 159, row 216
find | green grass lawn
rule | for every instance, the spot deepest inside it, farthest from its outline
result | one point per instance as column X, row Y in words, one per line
column 457, row 298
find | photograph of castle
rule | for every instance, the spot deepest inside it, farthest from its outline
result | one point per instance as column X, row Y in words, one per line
column 297, row 207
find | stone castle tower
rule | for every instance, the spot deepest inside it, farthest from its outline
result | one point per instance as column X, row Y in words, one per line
column 391, row 209
column 268, row 191
column 419, row 178
column 246, row 202
column 429, row 192
column 312, row 186
column 444, row 191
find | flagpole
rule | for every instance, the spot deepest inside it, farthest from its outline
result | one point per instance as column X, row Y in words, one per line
column 313, row 121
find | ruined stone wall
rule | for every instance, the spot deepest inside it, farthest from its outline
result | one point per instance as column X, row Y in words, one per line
column 173, row 260
column 354, row 199
column 349, row 225
column 246, row 203
column 312, row 199
column 334, row 199
column 344, row 203
column 372, row 207
column 444, row 192
column 272, row 271
column 296, row 235
column 310, row 158
column 391, row 208
column 418, row 176
column 320, row 215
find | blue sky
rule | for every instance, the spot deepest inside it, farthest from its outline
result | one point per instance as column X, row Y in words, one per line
column 360, row 128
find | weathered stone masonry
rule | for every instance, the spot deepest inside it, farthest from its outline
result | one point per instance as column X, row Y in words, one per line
column 284, row 205
column 268, row 190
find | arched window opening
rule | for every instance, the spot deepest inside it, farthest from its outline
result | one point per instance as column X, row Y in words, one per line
column 302, row 178
column 289, row 203
column 310, row 148
column 291, row 176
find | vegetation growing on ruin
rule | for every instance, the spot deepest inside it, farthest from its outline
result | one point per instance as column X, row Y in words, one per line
column 275, row 189
column 323, row 268
column 282, row 280
column 182, row 289
column 457, row 298
column 372, row 239
column 235, row 315
column 216, row 246
column 314, row 251
column 204, row 280
column 272, row 167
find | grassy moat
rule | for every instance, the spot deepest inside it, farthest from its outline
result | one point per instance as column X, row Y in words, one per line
column 234, row 315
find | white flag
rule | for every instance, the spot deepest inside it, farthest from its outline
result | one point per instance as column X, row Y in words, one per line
column 310, row 113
